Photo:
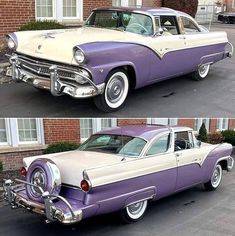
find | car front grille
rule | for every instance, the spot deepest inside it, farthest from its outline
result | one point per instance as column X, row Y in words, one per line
column 42, row 68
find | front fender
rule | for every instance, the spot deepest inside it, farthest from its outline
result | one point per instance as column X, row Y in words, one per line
column 103, row 57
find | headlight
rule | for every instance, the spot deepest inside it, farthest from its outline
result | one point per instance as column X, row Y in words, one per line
column 79, row 56
column 11, row 43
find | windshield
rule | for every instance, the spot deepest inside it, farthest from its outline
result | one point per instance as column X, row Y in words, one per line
column 124, row 21
column 116, row 144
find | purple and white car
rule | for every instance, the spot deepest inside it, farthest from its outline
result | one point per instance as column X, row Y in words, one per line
column 117, row 50
column 120, row 169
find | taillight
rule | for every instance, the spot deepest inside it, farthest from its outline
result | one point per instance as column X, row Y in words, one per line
column 23, row 172
column 85, row 185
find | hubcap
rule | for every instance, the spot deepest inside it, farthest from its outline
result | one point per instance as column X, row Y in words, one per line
column 203, row 70
column 216, row 177
column 38, row 179
column 115, row 89
column 136, row 210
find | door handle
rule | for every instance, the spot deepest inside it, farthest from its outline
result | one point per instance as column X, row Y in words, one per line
column 182, row 37
column 178, row 154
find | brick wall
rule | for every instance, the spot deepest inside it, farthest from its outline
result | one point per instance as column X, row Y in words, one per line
column 187, row 122
column 229, row 5
column 13, row 14
column 124, row 122
column 89, row 5
column 231, row 124
column 12, row 159
column 152, row 3
column 213, row 125
column 61, row 130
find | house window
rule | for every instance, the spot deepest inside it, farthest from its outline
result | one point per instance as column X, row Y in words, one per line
column 27, row 130
column 15, row 132
column 69, row 8
column 44, row 8
column 86, row 128
column 198, row 123
column 126, row 3
column 162, row 121
column 222, row 124
column 91, row 126
column 3, row 132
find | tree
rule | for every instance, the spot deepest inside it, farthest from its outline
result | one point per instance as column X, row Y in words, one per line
column 188, row 6
column 202, row 133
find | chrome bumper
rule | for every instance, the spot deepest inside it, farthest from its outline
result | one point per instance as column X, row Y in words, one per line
column 55, row 84
column 230, row 164
column 53, row 213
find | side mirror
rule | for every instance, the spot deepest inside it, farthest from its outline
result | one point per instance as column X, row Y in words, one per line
column 199, row 143
column 159, row 32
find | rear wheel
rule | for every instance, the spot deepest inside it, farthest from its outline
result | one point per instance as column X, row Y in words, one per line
column 134, row 212
column 215, row 180
column 116, row 90
column 201, row 73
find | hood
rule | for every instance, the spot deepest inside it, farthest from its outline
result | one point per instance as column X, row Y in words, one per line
column 57, row 45
column 72, row 164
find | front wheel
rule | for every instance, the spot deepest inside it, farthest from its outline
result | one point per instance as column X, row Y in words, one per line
column 134, row 212
column 115, row 93
column 215, row 180
column 201, row 73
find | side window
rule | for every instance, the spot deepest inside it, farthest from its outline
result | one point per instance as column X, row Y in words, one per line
column 161, row 145
column 189, row 25
column 183, row 140
column 169, row 24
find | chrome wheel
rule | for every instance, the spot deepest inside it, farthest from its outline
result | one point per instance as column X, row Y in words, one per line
column 116, row 90
column 203, row 70
column 136, row 210
column 216, row 176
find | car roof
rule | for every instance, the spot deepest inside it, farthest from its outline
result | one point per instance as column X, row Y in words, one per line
column 148, row 10
column 146, row 132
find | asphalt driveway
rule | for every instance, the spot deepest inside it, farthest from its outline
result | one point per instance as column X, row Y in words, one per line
column 178, row 97
column 192, row 212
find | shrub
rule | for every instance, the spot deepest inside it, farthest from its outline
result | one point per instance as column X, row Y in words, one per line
column 1, row 166
column 187, row 6
column 61, row 147
column 215, row 138
column 41, row 25
column 229, row 136
column 202, row 136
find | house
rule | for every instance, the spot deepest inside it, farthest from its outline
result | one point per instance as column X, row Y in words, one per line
column 21, row 137
column 70, row 12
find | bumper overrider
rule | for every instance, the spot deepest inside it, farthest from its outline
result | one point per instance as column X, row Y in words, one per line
column 49, row 209
column 59, row 79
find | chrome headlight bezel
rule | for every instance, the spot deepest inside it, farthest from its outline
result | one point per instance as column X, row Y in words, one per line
column 12, row 41
column 79, row 55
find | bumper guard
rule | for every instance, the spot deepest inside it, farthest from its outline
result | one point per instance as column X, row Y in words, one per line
column 53, row 213
column 54, row 83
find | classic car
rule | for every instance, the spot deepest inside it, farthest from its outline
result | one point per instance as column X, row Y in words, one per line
column 117, row 50
column 120, row 169
column 227, row 17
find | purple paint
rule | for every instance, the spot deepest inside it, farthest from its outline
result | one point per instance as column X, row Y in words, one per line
column 103, row 55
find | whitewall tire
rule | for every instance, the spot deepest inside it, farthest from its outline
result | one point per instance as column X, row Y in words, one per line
column 202, row 72
column 115, row 93
column 215, row 180
column 134, row 212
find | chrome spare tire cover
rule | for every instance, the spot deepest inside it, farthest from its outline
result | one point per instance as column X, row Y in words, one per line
column 45, row 174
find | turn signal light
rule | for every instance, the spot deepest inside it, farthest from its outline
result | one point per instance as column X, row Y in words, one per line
column 85, row 186
column 23, row 172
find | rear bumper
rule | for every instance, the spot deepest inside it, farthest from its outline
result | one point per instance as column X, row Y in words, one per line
column 17, row 198
column 48, row 76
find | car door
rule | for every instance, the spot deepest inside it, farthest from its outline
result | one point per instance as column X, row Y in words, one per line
column 169, row 59
column 161, row 157
column 189, row 160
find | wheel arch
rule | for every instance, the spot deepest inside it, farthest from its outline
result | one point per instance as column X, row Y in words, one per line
column 130, row 70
